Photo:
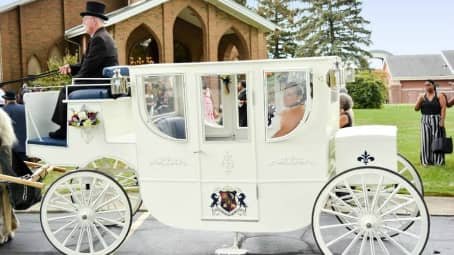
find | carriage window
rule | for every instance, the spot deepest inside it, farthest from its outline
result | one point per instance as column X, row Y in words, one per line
column 224, row 107
column 164, row 104
column 285, row 101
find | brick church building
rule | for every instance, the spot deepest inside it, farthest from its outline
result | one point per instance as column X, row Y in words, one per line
column 145, row 31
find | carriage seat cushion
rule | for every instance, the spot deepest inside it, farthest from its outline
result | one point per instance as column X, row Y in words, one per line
column 48, row 141
column 173, row 127
column 109, row 71
column 89, row 94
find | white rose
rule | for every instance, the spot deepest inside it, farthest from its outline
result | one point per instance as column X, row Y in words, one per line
column 82, row 116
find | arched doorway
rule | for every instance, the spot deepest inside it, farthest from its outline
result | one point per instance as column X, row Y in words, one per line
column 55, row 53
column 188, row 37
column 142, row 47
column 33, row 65
column 232, row 46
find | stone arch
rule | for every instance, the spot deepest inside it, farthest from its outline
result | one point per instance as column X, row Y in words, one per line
column 189, row 48
column 232, row 46
column 55, row 52
column 33, row 65
column 143, row 46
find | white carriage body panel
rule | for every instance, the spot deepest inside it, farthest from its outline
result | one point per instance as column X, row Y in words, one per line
column 280, row 177
column 113, row 137
column 374, row 145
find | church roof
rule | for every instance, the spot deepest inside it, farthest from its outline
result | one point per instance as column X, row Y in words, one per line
column 417, row 67
column 11, row 4
column 231, row 7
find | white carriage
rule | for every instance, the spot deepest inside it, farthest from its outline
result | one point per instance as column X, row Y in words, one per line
column 198, row 168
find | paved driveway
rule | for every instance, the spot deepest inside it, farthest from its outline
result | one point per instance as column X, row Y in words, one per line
column 152, row 237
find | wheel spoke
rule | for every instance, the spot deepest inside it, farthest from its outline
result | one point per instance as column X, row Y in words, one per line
column 65, row 226
column 107, row 202
column 62, row 217
column 363, row 243
column 341, row 237
column 106, row 229
column 73, row 194
column 365, row 195
column 381, row 244
column 93, row 183
column 115, row 164
column 70, row 234
column 111, row 211
column 65, row 199
column 390, row 196
column 372, row 245
column 374, row 201
column 398, row 207
column 355, row 199
column 79, row 241
column 340, row 214
column 121, row 224
column 337, row 225
column 403, row 219
column 101, row 194
column 103, row 242
column 62, row 208
column 398, row 245
column 350, row 245
column 402, row 232
column 343, row 202
column 90, row 239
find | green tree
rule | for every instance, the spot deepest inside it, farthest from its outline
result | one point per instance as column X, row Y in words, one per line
column 242, row 2
column 334, row 27
column 57, row 79
column 368, row 90
column 281, row 43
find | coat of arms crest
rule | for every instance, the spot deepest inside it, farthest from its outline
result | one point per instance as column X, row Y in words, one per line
column 228, row 201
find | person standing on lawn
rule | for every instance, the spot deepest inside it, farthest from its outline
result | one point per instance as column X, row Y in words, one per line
column 433, row 110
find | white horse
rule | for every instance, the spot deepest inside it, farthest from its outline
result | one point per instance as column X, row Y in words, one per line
column 8, row 221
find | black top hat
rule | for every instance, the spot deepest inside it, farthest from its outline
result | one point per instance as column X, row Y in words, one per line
column 9, row 95
column 95, row 9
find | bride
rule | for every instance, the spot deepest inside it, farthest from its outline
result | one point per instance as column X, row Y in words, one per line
column 8, row 221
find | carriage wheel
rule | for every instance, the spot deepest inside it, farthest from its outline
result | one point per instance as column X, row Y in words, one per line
column 122, row 173
column 381, row 202
column 406, row 169
column 83, row 224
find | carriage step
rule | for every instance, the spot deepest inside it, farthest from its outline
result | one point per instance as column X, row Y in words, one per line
column 230, row 251
column 48, row 141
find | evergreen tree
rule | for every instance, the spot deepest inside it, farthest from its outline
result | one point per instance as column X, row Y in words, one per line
column 242, row 2
column 281, row 43
column 334, row 27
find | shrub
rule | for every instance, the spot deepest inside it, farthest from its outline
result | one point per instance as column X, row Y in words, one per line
column 368, row 90
column 56, row 79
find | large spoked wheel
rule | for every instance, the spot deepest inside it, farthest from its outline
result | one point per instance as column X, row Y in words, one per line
column 407, row 170
column 76, row 215
column 122, row 173
column 374, row 204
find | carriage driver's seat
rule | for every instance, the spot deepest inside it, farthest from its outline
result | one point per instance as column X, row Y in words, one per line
column 99, row 93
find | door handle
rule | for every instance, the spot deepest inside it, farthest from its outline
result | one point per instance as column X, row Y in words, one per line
column 197, row 152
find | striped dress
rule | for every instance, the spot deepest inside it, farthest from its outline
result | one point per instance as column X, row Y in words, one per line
column 430, row 129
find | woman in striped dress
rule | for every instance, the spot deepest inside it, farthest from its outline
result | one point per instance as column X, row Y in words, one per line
column 433, row 110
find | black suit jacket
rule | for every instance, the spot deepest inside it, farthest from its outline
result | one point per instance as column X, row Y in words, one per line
column 101, row 52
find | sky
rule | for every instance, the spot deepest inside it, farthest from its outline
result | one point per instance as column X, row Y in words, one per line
column 405, row 26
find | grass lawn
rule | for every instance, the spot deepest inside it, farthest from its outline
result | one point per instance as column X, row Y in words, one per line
column 438, row 181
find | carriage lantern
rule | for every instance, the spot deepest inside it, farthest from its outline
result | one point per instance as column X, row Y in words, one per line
column 119, row 84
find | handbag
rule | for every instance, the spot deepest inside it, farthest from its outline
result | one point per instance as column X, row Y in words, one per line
column 442, row 144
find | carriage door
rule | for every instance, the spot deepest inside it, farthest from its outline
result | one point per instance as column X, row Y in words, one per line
column 227, row 151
